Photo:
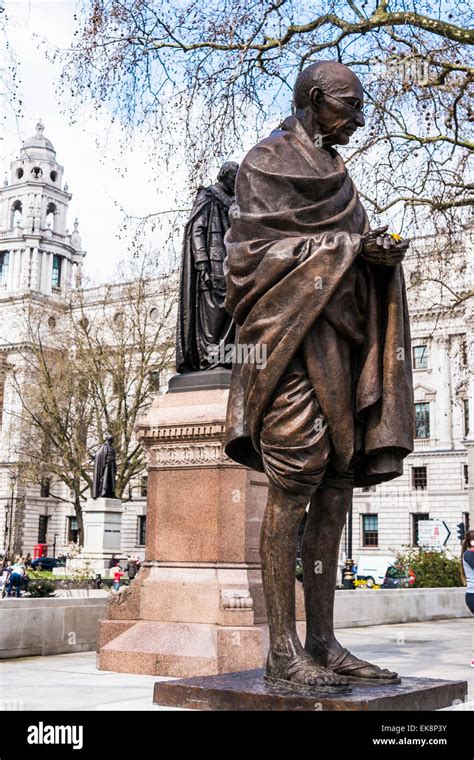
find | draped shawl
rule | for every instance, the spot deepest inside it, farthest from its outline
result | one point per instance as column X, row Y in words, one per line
column 294, row 276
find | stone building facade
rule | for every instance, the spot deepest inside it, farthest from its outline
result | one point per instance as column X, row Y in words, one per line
column 41, row 264
column 436, row 479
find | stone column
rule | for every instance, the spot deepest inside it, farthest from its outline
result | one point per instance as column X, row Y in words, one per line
column 35, row 269
column 10, row 276
column 16, row 261
column 47, row 285
column 444, row 401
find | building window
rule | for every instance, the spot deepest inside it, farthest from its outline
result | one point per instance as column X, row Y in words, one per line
column 420, row 357
column 419, row 478
column 72, row 530
column 465, row 472
column 42, row 529
column 370, row 530
column 466, row 521
column 4, row 257
column 50, row 216
column 142, row 530
column 57, row 265
column 422, row 420
column 17, row 214
column 466, row 416
column 154, row 377
column 45, row 488
column 144, row 487
column 417, row 518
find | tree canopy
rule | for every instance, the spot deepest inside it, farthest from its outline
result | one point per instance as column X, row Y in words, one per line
column 217, row 75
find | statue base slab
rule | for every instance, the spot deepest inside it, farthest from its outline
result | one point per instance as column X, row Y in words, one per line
column 209, row 379
column 247, row 690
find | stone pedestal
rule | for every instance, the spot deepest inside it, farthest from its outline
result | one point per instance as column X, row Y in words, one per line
column 102, row 532
column 193, row 607
column 249, row 691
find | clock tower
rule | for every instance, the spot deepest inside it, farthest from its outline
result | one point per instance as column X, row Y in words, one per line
column 37, row 252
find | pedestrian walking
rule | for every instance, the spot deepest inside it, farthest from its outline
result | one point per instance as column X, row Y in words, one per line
column 118, row 572
column 467, row 571
column 131, row 568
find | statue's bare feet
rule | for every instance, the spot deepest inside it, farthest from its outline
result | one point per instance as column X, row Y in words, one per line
column 354, row 670
column 301, row 673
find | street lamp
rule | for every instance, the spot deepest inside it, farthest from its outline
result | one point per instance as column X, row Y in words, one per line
column 12, row 506
column 348, row 575
column 7, row 538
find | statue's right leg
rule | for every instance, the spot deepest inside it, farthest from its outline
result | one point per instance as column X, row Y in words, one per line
column 288, row 664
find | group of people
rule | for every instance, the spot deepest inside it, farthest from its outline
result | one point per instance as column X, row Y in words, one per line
column 14, row 578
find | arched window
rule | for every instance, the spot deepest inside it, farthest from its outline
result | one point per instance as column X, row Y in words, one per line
column 16, row 214
column 50, row 216
column 4, row 257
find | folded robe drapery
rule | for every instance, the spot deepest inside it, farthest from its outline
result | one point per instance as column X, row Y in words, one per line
column 296, row 285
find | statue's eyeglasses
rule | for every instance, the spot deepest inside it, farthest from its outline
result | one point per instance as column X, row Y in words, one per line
column 358, row 107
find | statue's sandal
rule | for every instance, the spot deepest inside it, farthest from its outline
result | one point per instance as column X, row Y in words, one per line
column 299, row 665
column 347, row 665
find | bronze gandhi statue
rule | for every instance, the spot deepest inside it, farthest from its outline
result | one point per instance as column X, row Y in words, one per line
column 332, row 406
column 205, row 331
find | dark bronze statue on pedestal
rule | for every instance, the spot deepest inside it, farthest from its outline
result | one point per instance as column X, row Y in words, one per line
column 204, row 328
column 332, row 406
column 105, row 471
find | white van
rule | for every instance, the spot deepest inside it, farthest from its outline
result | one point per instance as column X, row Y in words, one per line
column 372, row 568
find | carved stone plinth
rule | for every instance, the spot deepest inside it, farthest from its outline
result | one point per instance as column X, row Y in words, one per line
column 102, row 532
column 193, row 607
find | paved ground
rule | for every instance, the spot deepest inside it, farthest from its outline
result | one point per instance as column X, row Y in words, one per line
column 436, row 649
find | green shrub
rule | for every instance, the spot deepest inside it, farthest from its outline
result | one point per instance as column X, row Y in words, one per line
column 40, row 574
column 433, row 569
column 41, row 587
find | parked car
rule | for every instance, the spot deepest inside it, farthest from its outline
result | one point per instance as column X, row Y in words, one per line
column 398, row 577
column 46, row 563
column 372, row 568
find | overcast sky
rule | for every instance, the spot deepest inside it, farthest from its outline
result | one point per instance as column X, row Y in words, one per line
column 90, row 171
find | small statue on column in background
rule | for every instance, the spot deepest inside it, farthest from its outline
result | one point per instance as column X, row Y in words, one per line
column 105, row 471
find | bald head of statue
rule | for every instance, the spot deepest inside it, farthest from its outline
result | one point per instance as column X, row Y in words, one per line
column 328, row 100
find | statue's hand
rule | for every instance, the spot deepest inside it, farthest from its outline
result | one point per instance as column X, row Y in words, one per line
column 204, row 275
column 381, row 249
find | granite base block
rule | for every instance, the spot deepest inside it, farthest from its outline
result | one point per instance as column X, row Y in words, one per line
column 180, row 649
